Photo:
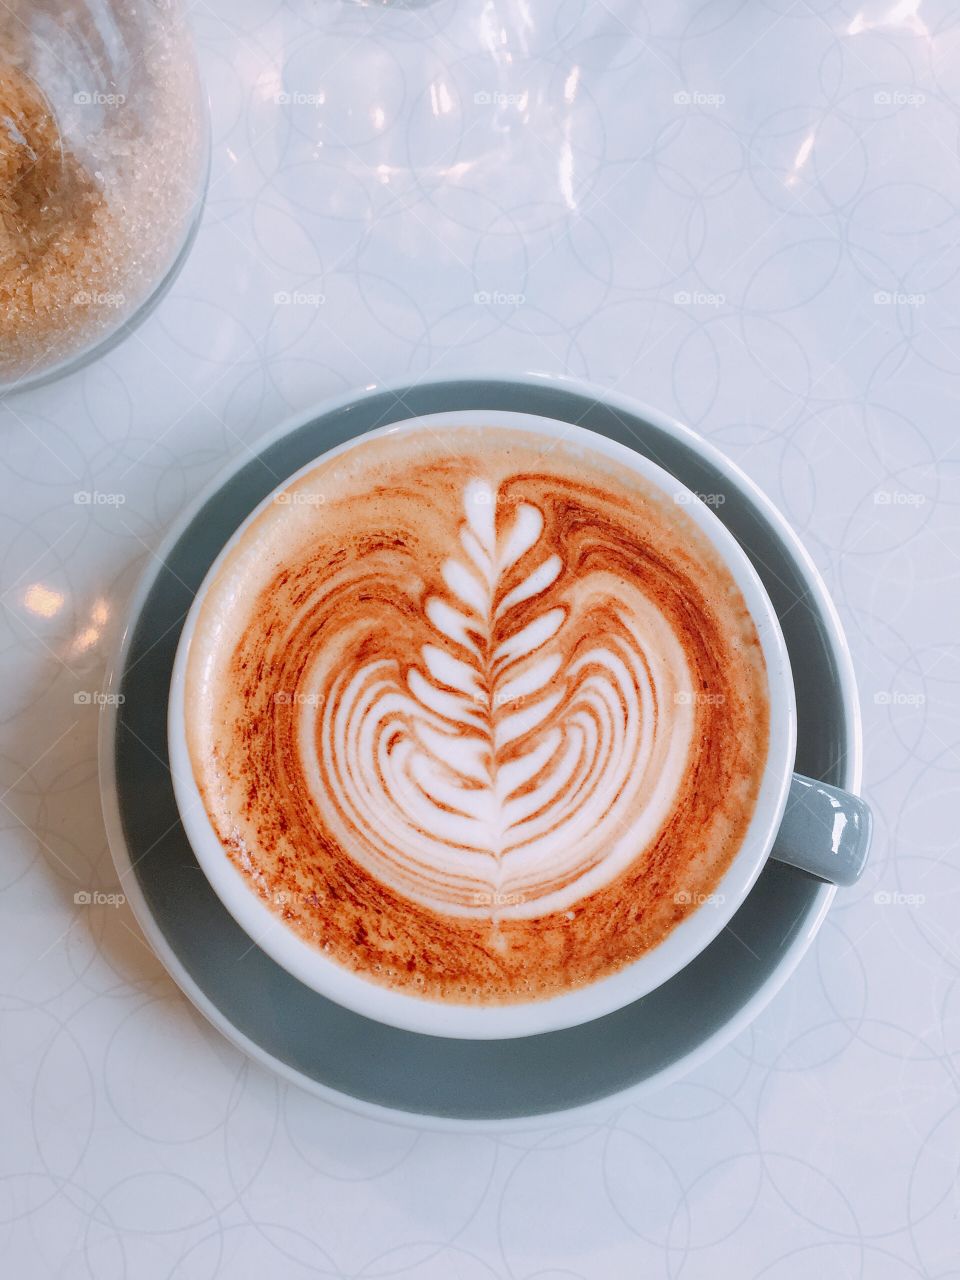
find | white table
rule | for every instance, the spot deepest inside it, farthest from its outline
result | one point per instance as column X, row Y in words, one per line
column 745, row 213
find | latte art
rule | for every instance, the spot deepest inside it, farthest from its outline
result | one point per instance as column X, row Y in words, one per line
column 480, row 724
column 523, row 754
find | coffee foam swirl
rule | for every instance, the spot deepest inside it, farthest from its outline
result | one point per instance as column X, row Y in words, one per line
column 481, row 724
column 520, row 757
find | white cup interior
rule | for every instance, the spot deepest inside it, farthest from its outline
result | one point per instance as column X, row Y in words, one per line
column 478, row 1021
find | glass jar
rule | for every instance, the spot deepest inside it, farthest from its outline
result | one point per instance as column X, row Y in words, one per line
column 104, row 156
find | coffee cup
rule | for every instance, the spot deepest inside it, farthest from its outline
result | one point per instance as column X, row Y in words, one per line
column 483, row 726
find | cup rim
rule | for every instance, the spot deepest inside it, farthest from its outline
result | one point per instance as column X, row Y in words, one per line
column 687, row 939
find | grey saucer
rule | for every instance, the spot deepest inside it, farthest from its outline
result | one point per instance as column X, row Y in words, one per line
column 397, row 1074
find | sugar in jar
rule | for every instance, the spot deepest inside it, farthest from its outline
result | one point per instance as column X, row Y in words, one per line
column 103, row 168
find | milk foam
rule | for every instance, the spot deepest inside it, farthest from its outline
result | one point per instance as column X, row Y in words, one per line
column 479, row 718
column 412, row 768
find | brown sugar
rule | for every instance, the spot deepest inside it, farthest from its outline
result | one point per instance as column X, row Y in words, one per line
column 95, row 203
column 51, row 223
column 44, row 193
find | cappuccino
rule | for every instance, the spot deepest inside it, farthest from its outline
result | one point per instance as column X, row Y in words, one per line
column 480, row 715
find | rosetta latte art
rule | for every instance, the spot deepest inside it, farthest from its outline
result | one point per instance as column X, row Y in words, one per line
column 497, row 772
column 482, row 722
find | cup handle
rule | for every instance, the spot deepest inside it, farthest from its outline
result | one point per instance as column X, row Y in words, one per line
column 825, row 831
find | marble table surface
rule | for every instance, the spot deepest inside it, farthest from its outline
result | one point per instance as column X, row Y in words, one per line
column 742, row 211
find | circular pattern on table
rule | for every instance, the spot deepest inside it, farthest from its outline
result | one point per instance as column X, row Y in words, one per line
column 64, row 464
column 227, row 96
column 843, row 974
column 168, row 1077
column 250, row 1250
column 702, row 159
column 792, row 276
column 428, row 1260
column 332, row 107
column 434, row 129
column 321, row 1149
column 839, row 1259
column 905, row 1090
column 576, row 1222
column 333, row 209
column 49, row 1136
column 808, row 163
column 139, row 1216
column 330, row 1141
column 532, row 136
column 645, row 1190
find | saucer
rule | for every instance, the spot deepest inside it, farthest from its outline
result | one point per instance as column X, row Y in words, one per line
column 398, row 1075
